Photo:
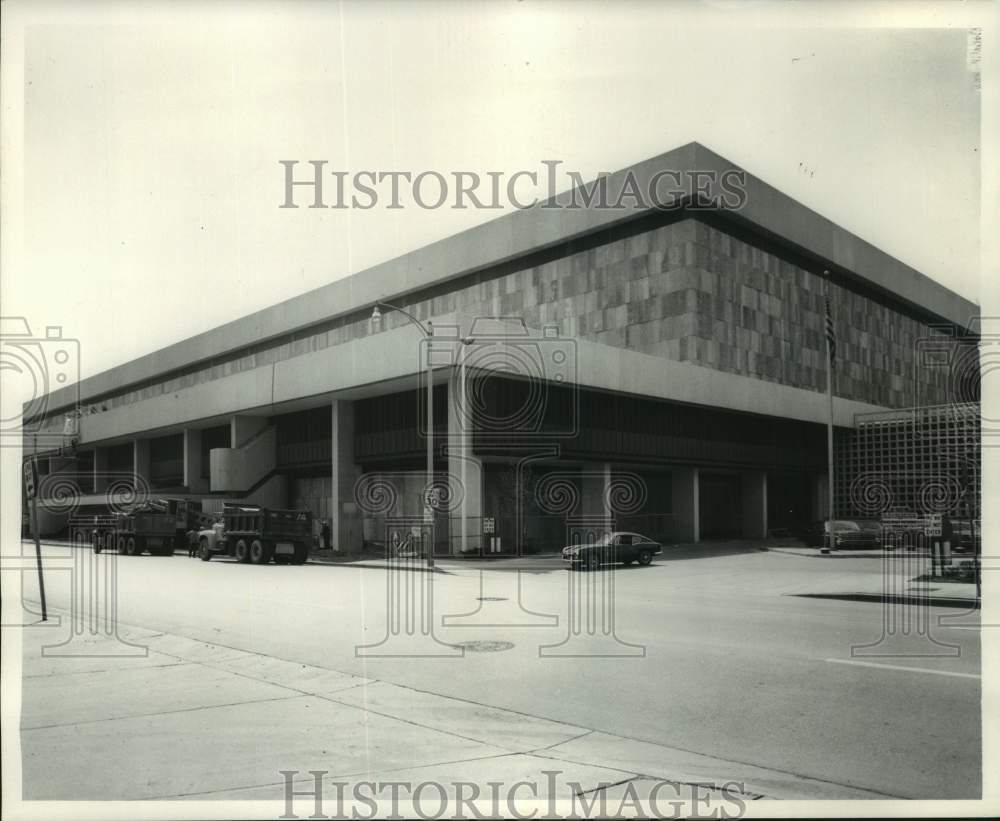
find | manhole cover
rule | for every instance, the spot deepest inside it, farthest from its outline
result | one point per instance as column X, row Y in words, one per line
column 484, row 646
column 491, row 598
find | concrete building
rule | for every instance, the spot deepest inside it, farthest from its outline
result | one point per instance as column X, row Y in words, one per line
column 662, row 367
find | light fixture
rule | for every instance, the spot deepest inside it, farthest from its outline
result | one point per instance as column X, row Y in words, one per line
column 376, row 318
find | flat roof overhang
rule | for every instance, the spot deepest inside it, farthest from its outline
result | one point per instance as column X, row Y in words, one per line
column 386, row 363
column 767, row 212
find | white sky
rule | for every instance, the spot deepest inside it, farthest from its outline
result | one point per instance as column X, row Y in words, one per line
column 152, row 135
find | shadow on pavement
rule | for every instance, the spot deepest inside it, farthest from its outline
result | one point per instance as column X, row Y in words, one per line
column 927, row 600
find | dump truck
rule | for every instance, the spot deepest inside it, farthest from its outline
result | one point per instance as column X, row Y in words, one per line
column 158, row 526
column 256, row 535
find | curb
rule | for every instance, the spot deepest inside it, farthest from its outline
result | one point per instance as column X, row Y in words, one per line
column 373, row 565
column 880, row 598
column 874, row 553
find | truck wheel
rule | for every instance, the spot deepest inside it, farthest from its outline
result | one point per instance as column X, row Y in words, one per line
column 204, row 552
column 121, row 544
column 97, row 543
column 260, row 552
column 131, row 548
column 242, row 551
column 301, row 553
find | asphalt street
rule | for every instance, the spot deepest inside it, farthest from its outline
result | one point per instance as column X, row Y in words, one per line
column 718, row 654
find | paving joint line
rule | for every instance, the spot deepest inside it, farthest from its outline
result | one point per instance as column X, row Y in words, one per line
column 327, row 774
column 539, row 750
column 160, row 713
column 741, row 763
column 643, row 776
column 367, row 709
column 177, row 663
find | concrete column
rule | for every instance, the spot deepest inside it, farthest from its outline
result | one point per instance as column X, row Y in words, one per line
column 754, row 491
column 140, row 462
column 465, row 474
column 100, row 469
column 345, row 520
column 193, row 480
column 605, row 490
column 243, row 427
column 820, row 499
column 686, row 508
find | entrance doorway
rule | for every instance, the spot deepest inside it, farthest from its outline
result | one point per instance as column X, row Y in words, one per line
column 789, row 502
column 720, row 503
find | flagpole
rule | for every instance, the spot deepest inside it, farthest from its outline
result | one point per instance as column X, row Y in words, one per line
column 829, row 422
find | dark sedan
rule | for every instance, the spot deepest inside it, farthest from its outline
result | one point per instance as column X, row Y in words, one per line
column 847, row 533
column 612, row 549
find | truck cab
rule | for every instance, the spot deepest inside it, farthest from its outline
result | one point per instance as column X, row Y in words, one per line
column 209, row 538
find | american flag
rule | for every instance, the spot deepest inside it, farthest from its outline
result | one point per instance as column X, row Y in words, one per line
column 831, row 335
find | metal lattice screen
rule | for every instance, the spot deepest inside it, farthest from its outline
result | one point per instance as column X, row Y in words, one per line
column 918, row 460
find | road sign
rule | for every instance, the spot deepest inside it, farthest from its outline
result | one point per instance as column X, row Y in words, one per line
column 933, row 526
column 489, row 524
column 30, row 478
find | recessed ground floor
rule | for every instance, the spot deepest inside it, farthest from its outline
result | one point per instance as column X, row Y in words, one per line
column 517, row 468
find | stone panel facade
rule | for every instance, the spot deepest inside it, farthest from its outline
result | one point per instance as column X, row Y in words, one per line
column 685, row 291
column 692, row 293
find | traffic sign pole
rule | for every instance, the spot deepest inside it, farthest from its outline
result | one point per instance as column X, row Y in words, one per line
column 38, row 557
column 31, row 491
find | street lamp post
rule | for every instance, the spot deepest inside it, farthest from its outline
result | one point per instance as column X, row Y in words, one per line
column 466, row 341
column 428, row 332
column 830, row 543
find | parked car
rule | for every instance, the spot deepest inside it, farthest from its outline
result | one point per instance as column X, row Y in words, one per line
column 847, row 533
column 963, row 534
column 611, row 549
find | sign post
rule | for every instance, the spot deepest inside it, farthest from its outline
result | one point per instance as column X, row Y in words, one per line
column 31, row 491
column 831, row 353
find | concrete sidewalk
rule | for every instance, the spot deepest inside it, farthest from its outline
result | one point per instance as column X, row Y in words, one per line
column 898, row 577
column 169, row 717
